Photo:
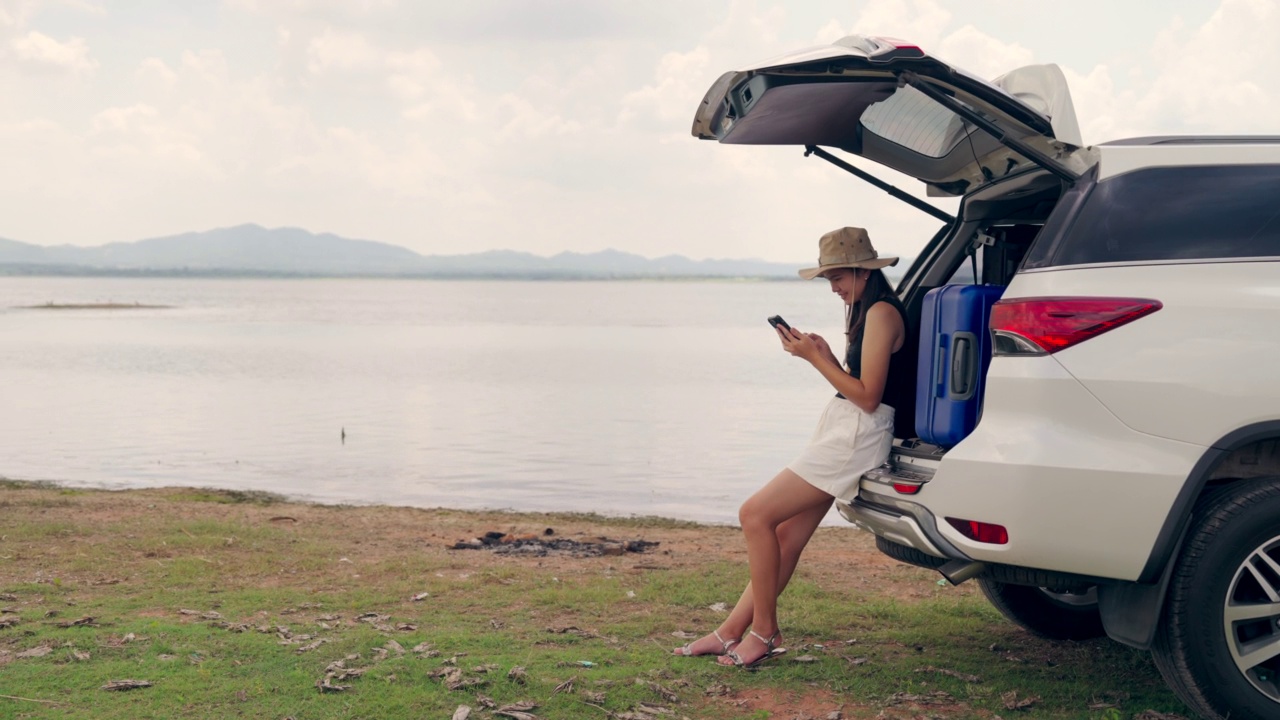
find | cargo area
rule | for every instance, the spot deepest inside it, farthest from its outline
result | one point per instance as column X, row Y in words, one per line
column 948, row 294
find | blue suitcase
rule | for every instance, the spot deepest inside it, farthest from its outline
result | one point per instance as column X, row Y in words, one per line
column 955, row 350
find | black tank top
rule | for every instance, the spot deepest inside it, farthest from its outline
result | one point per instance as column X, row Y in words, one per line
column 900, row 386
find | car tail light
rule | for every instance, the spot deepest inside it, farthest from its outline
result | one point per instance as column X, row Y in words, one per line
column 1045, row 325
column 907, row 488
column 896, row 48
column 895, row 42
column 980, row 531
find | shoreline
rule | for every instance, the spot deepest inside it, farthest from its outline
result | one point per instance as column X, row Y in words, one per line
column 264, row 497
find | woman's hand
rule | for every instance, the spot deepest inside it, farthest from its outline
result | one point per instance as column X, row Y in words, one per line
column 824, row 348
column 803, row 345
column 821, row 342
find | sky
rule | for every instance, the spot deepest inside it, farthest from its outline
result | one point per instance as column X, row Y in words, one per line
column 535, row 125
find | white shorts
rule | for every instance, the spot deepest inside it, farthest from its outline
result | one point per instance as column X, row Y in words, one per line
column 847, row 443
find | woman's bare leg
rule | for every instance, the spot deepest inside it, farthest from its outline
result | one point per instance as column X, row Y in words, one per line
column 763, row 517
column 793, row 537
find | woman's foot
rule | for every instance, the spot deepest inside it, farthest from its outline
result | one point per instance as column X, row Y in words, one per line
column 712, row 644
column 753, row 650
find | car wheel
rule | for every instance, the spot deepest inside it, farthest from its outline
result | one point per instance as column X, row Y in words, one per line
column 1218, row 645
column 1049, row 614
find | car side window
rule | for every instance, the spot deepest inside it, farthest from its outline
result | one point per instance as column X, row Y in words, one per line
column 1177, row 213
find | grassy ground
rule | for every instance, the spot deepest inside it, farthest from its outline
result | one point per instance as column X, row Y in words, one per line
column 234, row 605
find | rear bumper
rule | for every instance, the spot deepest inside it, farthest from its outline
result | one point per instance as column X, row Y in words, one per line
column 902, row 522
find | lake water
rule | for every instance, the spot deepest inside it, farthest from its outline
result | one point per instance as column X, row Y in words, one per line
column 624, row 398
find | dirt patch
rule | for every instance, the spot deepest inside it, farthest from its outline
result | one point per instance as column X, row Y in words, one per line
column 819, row 704
column 503, row 543
column 813, row 704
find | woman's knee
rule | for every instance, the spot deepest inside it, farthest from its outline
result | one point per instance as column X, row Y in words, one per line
column 753, row 515
column 783, row 499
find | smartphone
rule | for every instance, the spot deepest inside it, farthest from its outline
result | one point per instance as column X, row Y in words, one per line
column 777, row 322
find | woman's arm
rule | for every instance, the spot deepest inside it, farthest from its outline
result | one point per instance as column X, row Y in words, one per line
column 883, row 333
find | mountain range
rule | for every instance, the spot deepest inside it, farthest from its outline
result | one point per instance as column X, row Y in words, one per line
column 255, row 250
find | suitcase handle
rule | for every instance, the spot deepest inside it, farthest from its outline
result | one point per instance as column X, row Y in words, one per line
column 964, row 366
column 940, row 366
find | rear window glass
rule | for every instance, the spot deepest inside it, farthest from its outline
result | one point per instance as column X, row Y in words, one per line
column 1177, row 213
column 912, row 120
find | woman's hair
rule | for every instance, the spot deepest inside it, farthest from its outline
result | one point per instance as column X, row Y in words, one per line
column 877, row 289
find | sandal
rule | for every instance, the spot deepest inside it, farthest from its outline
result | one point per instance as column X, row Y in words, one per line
column 687, row 650
column 771, row 650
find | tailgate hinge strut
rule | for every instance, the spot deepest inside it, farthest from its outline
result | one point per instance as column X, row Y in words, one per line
column 864, row 175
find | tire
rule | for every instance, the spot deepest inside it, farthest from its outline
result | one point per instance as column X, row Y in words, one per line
column 1052, row 615
column 1231, row 558
column 908, row 555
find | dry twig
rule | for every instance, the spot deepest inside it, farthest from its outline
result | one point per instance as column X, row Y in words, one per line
column 15, row 697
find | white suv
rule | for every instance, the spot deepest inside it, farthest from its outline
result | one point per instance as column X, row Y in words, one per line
column 1124, row 475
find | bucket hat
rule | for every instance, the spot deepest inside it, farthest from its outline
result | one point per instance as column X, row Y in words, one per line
column 848, row 247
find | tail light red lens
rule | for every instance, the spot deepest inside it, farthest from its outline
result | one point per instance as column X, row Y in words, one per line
column 899, row 44
column 980, row 531
column 1049, row 324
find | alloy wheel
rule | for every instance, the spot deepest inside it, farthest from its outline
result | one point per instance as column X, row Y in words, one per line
column 1251, row 618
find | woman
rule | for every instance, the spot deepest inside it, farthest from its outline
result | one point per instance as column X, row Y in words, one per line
column 853, row 436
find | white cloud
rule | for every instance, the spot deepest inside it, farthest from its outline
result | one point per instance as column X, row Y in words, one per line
column 409, row 172
column 524, row 121
column 141, row 133
column 155, row 71
column 1098, row 104
column 209, row 66
column 1215, row 78
column 743, row 28
column 676, row 86
column 85, row 6
column 1219, row 77
column 58, row 175
column 922, row 22
column 405, row 87
column 342, row 52
column 303, row 7
column 761, row 26
column 418, row 79
column 830, row 33
column 982, row 54
column 415, row 78
column 418, row 63
column 123, row 119
column 38, row 49
column 14, row 13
